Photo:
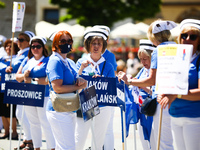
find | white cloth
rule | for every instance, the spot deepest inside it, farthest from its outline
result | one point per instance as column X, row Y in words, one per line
column 24, row 122
column 96, row 64
column 63, row 128
column 186, row 133
column 159, row 26
column 37, row 119
column 109, row 138
column 22, row 51
column 166, row 140
column 100, row 124
column 33, row 62
column 190, row 22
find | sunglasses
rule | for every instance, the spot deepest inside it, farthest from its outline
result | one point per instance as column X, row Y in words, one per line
column 21, row 40
column 37, row 46
column 63, row 41
column 192, row 37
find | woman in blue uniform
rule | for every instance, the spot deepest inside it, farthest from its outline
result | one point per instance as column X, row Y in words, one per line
column 23, row 44
column 145, row 122
column 5, row 108
column 159, row 34
column 63, row 79
column 33, row 70
column 95, row 44
column 184, row 109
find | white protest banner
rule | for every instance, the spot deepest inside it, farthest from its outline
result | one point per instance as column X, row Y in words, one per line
column 173, row 68
column 18, row 16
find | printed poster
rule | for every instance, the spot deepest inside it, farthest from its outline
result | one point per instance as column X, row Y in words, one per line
column 173, row 68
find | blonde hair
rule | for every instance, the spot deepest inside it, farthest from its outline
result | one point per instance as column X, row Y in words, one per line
column 159, row 37
column 144, row 51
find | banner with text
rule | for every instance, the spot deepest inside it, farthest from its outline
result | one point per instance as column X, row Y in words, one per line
column 24, row 94
column 18, row 16
column 6, row 77
column 105, row 89
column 89, row 105
column 173, row 68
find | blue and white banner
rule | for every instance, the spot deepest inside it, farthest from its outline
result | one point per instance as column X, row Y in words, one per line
column 89, row 105
column 24, row 94
column 6, row 77
column 105, row 89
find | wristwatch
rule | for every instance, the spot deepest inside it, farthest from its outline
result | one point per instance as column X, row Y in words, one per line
column 179, row 96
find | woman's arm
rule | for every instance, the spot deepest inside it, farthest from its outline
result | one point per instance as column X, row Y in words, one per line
column 58, row 86
column 149, row 81
column 20, row 75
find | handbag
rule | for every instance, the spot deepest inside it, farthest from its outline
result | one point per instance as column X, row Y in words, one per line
column 65, row 102
column 149, row 106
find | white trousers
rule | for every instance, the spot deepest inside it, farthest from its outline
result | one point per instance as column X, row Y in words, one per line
column 24, row 122
column 145, row 143
column 100, row 124
column 63, row 127
column 109, row 139
column 186, row 133
column 166, row 140
column 37, row 119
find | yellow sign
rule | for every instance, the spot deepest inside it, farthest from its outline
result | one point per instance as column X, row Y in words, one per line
column 167, row 51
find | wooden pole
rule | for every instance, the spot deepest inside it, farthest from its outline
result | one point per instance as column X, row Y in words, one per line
column 159, row 131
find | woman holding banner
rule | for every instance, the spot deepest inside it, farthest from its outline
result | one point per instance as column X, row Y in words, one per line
column 94, row 65
column 23, row 44
column 63, row 79
column 33, row 70
column 5, row 108
column 184, row 109
column 159, row 34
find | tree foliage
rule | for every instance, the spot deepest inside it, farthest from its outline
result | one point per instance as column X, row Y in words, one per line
column 2, row 4
column 91, row 12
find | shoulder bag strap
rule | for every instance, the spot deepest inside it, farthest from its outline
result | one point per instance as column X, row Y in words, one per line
column 103, row 67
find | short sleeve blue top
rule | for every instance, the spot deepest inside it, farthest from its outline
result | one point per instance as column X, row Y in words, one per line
column 56, row 69
column 18, row 60
column 38, row 71
column 185, row 108
column 110, row 57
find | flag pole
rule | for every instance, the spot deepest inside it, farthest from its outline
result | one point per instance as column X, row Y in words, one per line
column 11, row 105
column 159, row 130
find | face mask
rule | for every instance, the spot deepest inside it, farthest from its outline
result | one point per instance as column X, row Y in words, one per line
column 65, row 48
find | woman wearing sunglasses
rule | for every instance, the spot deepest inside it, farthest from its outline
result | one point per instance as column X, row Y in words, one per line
column 94, row 65
column 184, row 109
column 33, row 70
column 63, row 79
column 159, row 34
column 23, row 44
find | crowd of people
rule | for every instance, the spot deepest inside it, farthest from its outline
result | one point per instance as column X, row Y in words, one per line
column 66, row 130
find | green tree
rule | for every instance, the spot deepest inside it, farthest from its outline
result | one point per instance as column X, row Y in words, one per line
column 2, row 4
column 91, row 12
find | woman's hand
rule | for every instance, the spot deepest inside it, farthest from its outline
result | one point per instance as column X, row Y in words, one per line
column 81, row 82
column 84, row 64
column 9, row 69
column 122, row 76
column 165, row 100
column 26, row 73
column 95, row 76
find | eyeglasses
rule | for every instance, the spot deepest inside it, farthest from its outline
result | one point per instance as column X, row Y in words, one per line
column 193, row 37
column 37, row 46
column 21, row 40
column 98, row 44
column 63, row 41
